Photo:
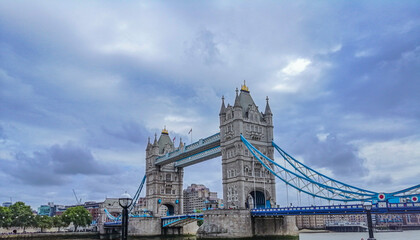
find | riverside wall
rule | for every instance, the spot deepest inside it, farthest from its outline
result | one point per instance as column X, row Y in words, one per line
column 237, row 223
column 148, row 226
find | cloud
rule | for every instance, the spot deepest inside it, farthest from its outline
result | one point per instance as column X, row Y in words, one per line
column 129, row 131
column 3, row 135
column 204, row 48
column 296, row 66
column 55, row 165
column 387, row 156
column 327, row 150
column 340, row 77
column 364, row 53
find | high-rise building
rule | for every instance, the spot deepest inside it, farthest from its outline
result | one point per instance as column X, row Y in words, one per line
column 198, row 197
column 47, row 210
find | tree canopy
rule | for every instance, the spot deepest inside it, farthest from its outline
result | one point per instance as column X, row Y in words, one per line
column 21, row 215
column 58, row 222
column 43, row 222
column 79, row 216
column 5, row 217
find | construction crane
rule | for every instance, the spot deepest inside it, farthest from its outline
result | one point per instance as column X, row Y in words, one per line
column 79, row 201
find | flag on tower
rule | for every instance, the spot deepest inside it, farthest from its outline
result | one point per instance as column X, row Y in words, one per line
column 173, row 140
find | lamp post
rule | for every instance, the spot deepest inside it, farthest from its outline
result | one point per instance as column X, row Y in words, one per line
column 368, row 207
column 125, row 202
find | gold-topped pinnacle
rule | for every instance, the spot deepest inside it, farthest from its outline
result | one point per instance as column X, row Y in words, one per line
column 244, row 87
column 164, row 131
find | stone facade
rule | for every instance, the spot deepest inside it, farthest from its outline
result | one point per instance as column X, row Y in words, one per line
column 236, row 223
column 275, row 226
column 226, row 224
column 149, row 226
column 163, row 183
column 246, row 182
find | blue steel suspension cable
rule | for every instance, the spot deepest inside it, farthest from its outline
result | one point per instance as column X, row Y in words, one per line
column 286, row 157
column 408, row 192
column 336, row 191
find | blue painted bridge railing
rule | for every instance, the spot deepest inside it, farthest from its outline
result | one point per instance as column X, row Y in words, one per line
column 180, row 220
column 338, row 209
column 112, row 224
column 187, row 151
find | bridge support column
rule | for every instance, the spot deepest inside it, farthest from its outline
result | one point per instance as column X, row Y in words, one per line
column 275, row 226
column 235, row 223
column 145, row 226
column 226, row 224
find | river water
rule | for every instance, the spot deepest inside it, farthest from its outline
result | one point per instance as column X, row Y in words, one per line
column 406, row 235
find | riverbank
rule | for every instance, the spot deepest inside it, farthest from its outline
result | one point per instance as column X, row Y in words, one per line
column 58, row 235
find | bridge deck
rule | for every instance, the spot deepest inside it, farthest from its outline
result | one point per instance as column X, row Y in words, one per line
column 183, row 155
column 180, row 220
column 338, row 209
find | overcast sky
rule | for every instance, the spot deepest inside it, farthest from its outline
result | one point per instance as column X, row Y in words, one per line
column 84, row 84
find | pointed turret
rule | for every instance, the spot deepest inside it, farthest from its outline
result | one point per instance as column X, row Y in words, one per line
column 267, row 108
column 268, row 116
column 155, row 146
column 223, row 108
column 155, row 141
column 181, row 144
column 237, row 101
column 165, row 143
column 149, row 145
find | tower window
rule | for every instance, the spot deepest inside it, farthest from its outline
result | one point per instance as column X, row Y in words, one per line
column 168, row 177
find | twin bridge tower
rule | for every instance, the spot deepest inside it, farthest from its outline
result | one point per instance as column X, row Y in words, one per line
column 246, row 183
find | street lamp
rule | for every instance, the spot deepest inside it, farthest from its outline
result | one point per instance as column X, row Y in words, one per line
column 125, row 202
column 368, row 207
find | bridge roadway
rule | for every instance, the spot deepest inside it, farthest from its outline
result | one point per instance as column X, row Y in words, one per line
column 203, row 149
column 380, row 208
column 338, row 209
column 180, row 220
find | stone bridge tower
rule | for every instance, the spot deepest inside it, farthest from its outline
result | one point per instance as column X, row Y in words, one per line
column 246, row 183
column 163, row 183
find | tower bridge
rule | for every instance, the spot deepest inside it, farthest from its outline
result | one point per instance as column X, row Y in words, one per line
column 249, row 172
column 246, row 182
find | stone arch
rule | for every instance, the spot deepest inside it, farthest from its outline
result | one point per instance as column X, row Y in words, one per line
column 166, row 209
column 258, row 198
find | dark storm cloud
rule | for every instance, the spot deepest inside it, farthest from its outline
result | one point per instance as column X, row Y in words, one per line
column 131, row 131
column 55, row 165
column 204, row 47
column 2, row 133
column 323, row 150
column 384, row 84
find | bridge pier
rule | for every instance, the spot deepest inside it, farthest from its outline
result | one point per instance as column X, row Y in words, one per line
column 236, row 223
column 172, row 231
column 146, row 226
column 275, row 226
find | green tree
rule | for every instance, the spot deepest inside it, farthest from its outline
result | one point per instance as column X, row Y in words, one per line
column 21, row 215
column 79, row 216
column 43, row 222
column 58, row 222
column 5, row 217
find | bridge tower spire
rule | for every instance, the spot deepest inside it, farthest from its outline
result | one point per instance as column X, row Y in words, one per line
column 246, row 183
column 164, row 183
